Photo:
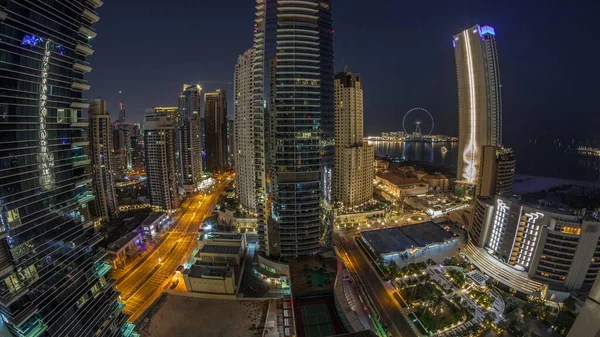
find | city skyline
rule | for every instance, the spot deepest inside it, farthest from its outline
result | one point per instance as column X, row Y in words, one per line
column 418, row 63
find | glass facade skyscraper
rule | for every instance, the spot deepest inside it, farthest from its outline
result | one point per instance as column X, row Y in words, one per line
column 293, row 90
column 53, row 280
column 189, row 143
column 479, row 98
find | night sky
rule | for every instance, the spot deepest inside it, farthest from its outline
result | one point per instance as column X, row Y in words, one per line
column 548, row 53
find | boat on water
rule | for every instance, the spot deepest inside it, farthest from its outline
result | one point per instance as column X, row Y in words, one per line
column 444, row 149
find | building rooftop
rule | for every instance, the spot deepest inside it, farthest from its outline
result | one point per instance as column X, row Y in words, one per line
column 224, row 236
column 202, row 270
column 397, row 179
column 122, row 241
column 399, row 239
column 217, row 249
column 313, row 274
column 151, row 218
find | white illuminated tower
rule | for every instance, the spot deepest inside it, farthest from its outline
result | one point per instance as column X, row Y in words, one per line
column 479, row 98
column 353, row 176
column 159, row 141
column 249, row 155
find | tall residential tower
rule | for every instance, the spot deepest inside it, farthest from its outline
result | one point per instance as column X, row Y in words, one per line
column 215, row 127
column 189, row 143
column 293, row 89
column 159, row 143
column 102, row 160
column 479, row 99
column 249, row 156
column 353, row 179
column 53, row 278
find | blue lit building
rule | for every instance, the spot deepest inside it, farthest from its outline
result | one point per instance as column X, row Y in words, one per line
column 53, row 278
column 293, row 105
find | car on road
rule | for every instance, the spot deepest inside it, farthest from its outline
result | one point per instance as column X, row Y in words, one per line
column 174, row 284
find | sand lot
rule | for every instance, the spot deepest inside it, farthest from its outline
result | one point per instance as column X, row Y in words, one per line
column 181, row 316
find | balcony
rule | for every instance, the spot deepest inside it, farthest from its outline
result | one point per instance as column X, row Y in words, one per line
column 127, row 330
column 87, row 32
column 93, row 17
column 101, row 268
column 80, row 141
column 79, row 105
column 83, row 180
column 81, row 160
column 84, row 68
column 96, row 3
column 85, row 197
column 80, row 86
column 34, row 328
column 84, row 49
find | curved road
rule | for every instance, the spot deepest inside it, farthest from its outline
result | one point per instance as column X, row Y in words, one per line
column 145, row 282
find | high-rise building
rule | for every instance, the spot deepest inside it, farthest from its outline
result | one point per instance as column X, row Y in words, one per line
column 102, row 161
column 230, row 142
column 121, row 111
column 249, row 156
column 479, row 99
column 497, row 171
column 189, row 143
column 159, row 143
column 169, row 111
column 588, row 320
column 53, row 278
column 122, row 149
column 354, row 173
column 215, row 128
column 293, row 87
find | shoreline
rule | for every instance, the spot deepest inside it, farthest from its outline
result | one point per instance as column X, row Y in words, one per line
column 527, row 183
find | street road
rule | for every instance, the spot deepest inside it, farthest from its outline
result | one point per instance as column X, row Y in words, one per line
column 144, row 283
column 385, row 304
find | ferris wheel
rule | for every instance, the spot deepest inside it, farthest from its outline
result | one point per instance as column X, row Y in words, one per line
column 421, row 119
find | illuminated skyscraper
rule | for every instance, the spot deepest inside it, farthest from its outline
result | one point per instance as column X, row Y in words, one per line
column 249, row 157
column 53, row 278
column 293, row 90
column 189, row 143
column 159, row 143
column 215, row 127
column 353, row 182
column 102, row 159
column 121, row 111
column 479, row 99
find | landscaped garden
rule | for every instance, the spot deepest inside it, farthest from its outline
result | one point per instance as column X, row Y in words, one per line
column 457, row 277
column 482, row 298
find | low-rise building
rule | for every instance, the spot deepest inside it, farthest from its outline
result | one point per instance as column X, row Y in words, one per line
column 436, row 181
column 210, row 277
column 393, row 186
column 155, row 223
column 123, row 248
column 221, row 247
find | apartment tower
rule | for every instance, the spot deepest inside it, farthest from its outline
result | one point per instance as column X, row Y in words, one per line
column 189, row 146
column 353, row 179
column 215, row 128
column 293, row 91
column 249, row 156
column 159, row 141
column 102, row 160
column 53, row 278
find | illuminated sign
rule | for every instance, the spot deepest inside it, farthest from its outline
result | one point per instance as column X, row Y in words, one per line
column 45, row 158
column 470, row 151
